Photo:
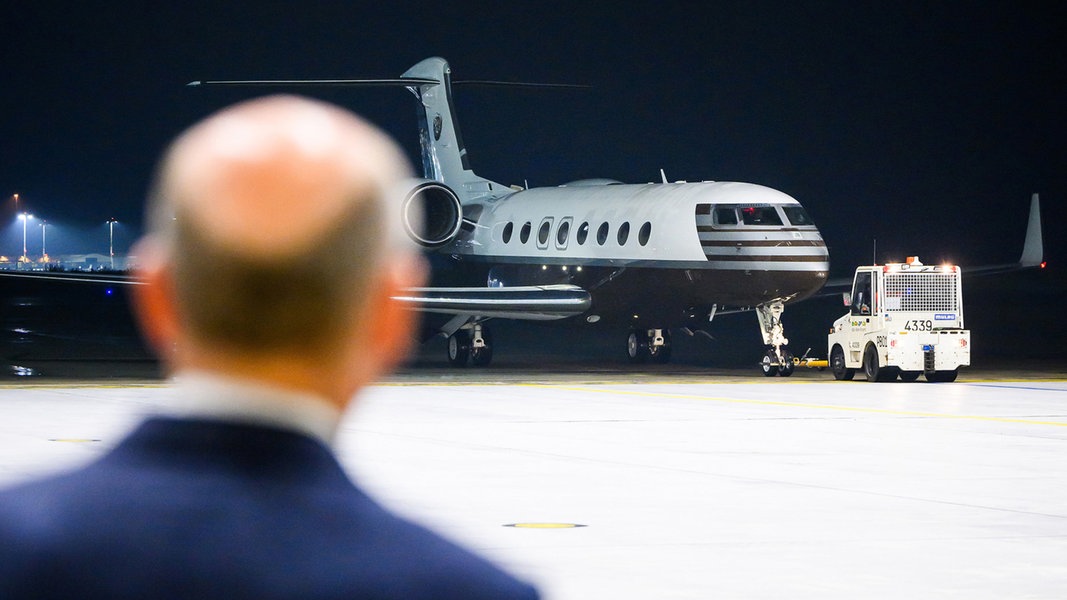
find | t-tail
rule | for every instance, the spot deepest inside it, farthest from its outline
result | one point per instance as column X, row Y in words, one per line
column 444, row 157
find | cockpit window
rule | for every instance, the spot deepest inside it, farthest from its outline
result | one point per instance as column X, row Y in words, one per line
column 726, row 216
column 797, row 215
column 760, row 215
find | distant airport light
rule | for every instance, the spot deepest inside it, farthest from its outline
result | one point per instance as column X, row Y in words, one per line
column 111, row 239
column 24, row 217
column 44, row 239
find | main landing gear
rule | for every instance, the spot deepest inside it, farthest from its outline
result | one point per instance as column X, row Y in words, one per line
column 652, row 345
column 777, row 360
column 472, row 346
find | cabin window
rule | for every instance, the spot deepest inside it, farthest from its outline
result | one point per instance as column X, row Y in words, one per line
column 602, row 234
column 508, row 230
column 542, row 233
column 562, row 233
column 524, row 233
column 583, row 233
column 797, row 215
column 760, row 215
column 726, row 216
column 624, row 233
column 644, row 234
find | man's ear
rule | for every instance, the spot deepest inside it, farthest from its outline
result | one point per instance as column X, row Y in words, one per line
column 152, row 298
column 390, row 324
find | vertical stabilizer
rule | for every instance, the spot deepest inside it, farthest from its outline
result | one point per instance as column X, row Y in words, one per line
column 444, row 157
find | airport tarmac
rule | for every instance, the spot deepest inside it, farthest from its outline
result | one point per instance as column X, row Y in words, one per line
column 677, row 484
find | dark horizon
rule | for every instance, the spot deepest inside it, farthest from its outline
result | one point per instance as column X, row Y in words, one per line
column 923, row 127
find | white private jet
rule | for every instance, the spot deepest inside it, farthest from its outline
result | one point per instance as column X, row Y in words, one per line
column 648, row 257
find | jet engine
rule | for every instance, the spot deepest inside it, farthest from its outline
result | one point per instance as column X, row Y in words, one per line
column 432, row 213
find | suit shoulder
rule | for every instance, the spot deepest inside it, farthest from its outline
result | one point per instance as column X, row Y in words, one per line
column 439, row 567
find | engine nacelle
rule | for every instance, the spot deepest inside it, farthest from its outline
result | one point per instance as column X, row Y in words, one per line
column 432, row 213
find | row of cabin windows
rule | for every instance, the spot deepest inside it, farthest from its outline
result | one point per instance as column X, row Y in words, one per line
column 622, row 234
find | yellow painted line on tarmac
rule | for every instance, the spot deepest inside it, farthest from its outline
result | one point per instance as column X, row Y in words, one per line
column 860, row 409
column 544, row 525
column 79, row 386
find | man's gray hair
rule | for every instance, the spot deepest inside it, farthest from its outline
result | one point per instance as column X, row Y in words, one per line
column 296, row 299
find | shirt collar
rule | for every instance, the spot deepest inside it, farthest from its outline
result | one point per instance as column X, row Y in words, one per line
column 204, row 394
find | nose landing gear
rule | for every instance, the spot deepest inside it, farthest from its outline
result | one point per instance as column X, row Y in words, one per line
column 777, row 360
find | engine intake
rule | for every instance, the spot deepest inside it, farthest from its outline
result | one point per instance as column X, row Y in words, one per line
column 432, row 214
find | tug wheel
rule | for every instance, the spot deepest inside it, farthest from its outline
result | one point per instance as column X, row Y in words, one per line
column 873, row 370
column 942, row 376
column 837, row 365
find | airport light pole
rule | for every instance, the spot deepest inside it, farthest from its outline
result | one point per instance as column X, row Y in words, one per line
column 16, row 197
column 111, row 240
column 25, row 217
column 44, row 238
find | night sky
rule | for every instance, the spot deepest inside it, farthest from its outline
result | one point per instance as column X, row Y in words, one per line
column 926, row 127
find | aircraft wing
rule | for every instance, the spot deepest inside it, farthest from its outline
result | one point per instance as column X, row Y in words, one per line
column 530, row 303
column 1031, row 257
column 1033, row 248
column 75, row 276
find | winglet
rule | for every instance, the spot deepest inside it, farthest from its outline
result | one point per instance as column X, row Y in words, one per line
column 1033, row 249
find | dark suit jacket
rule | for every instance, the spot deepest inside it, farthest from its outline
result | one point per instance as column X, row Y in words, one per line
column 202, row 509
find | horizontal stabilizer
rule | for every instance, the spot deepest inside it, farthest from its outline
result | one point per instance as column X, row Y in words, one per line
column 531, row 303
column 396, row 82
column 522, row 84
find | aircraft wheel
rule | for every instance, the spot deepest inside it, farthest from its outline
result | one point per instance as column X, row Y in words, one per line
column 459, row 348
column 910, row 375
column 871, row 368
column 837, row 365
column 942, row 376
column 786, row 369
column 661, row 354
column 637, row 347
column 767, row 364
column 481, row 357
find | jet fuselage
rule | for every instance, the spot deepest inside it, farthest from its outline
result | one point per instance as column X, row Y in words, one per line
column 662, row 255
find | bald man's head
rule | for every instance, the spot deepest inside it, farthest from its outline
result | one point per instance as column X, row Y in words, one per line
column 273, row 216
column 268, row 176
